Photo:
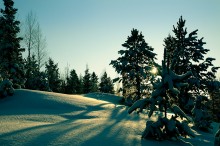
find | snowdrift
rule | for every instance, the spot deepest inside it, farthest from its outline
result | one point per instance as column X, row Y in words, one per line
column 46, row 118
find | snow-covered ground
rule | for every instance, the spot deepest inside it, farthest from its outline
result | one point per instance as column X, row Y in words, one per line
column 46, row 118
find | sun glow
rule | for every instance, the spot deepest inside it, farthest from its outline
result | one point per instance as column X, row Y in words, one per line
column 154, row 70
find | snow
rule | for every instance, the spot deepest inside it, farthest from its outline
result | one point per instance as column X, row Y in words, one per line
column 45, row 118
column 105, row 97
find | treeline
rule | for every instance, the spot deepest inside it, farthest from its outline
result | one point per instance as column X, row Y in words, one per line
column 27, row 72
column 74, row 84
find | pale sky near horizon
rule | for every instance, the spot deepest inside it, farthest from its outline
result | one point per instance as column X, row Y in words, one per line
column 81, row 32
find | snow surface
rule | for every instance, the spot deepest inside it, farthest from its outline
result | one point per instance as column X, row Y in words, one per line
column 46, row 118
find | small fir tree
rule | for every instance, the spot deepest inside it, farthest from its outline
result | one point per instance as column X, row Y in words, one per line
column 80, row 91
column 53, row 76
column 63, row 86
column 36, row 79
column 72, row 83
column 106, row 85
column 94, row 83
column 87, row 81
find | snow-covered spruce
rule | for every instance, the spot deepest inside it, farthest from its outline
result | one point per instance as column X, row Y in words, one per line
column 6, row 88
column 165, row 92
column 165, row 128
column 186, row 51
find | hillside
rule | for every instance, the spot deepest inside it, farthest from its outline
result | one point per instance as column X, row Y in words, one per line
column 46, row 118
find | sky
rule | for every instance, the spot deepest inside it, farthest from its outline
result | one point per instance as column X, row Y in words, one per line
column 90, row 32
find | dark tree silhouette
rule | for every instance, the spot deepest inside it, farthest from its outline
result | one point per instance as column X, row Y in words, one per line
column 53, row 76
column 36, row 80
column 135, row 64
column 94, row 82
column 186, row 52
column 87, row 81
column 72, row 83
column 106, row 84
column 11, row 61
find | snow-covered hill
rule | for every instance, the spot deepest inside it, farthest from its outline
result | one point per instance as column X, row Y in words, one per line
column 46, row 118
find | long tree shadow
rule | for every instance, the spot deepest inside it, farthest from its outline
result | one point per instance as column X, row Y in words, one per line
column 115, row 128
column 74, row 119
column 42, row 134
column 74, row 130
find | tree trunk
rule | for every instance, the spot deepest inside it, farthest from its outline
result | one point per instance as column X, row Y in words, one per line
column 138, row 86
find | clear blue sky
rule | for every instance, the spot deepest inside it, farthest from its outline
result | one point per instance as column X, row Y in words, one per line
column 81, row 32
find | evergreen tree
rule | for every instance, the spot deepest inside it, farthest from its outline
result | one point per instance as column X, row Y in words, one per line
column 80, row 90
column 135, row 64
column 106, row 84
column 36, row 79
column 53, row 76
column 186, row 52
column 63, row 86
column 32, row 71
column 94, row 83
column 87, row 81
column 165, row 92
column 11, row 61
column 73, row 83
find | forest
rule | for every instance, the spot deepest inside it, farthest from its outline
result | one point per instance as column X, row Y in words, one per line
column 185, row 83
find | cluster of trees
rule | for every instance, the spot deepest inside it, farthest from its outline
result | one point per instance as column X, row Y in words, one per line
column 74, row 84
column 183, row 84
column 27, row 72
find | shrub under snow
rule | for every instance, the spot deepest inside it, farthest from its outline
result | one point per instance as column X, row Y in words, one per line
column 6, row 88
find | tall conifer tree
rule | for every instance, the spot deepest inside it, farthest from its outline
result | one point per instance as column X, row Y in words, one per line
column 187, row 53
column 11, row 61
column 135, row 64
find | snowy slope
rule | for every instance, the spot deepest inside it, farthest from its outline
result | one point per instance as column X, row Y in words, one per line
column 45, row 118
column 105, row 97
